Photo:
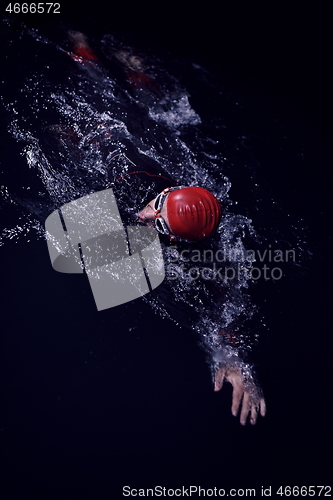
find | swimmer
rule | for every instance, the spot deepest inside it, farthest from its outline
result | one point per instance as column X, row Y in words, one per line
column 185, row 215
column 132, row 64
column 192, row 214
column 82, row 52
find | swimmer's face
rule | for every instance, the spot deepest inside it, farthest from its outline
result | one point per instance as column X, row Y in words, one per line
column 147, row 214
column 133, row 62
column 136, row 63
column 77, row 37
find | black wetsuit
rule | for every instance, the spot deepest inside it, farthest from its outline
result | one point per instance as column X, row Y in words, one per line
column 136, row 180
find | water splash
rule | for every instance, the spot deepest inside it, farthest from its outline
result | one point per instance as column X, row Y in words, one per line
column 65, row 128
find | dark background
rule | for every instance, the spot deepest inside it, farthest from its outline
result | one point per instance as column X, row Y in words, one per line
column 88, row 406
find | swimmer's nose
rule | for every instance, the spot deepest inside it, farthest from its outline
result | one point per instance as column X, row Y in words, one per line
column 147, row 213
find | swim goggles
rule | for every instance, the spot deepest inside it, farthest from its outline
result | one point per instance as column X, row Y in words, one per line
column 160, row 224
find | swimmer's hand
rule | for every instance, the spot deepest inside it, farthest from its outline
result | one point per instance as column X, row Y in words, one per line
column 246, row 396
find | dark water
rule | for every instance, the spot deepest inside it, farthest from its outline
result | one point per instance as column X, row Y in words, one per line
column 96, row 401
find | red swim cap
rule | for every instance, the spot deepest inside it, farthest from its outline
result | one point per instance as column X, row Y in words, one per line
column 193, row 213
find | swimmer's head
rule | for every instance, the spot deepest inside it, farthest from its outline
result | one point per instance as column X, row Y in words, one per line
column 77, row 37
column 187, row 213
column 130, row 60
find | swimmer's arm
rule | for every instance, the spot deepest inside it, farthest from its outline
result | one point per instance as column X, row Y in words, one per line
column 246, row 396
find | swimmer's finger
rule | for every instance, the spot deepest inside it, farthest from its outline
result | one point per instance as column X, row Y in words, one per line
column 254, row 414
column 256, row 409
column 219, row 378
column 236, row 398
column 262, row 407
column 245, row 408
